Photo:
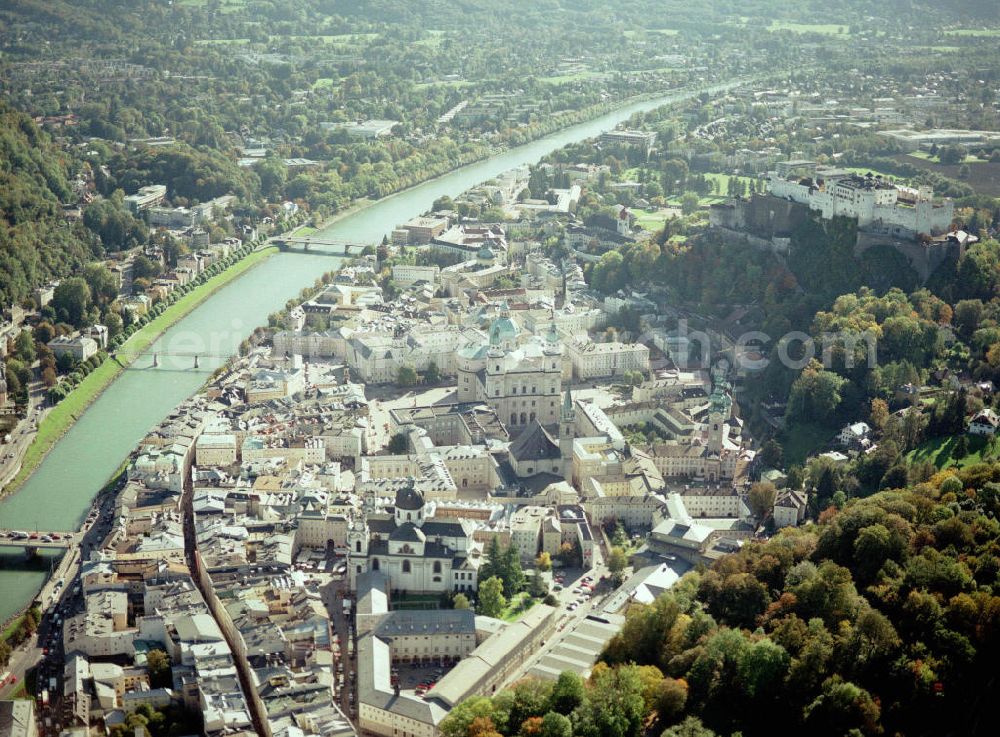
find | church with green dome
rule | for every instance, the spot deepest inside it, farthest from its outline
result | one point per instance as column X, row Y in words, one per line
column 516, row 373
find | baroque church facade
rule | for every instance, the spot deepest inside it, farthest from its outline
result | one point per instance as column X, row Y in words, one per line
column 518, row 376
column 417, row 553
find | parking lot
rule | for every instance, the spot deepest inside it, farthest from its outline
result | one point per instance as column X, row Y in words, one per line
column 418, row 677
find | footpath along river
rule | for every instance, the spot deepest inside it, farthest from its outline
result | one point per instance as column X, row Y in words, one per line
column 59, row 493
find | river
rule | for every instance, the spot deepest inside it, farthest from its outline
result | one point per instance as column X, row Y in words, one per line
column 59, row 493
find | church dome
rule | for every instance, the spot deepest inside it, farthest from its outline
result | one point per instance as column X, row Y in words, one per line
column 409, row 499
column 503, row 329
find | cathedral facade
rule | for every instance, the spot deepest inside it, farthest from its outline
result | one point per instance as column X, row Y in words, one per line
column 519, row 377
column 417, row 554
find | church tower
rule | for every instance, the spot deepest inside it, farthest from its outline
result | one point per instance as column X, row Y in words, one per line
column 567, row 425
column 718, row 413
column 357, row 538
column 624, row 226
column 357, row 549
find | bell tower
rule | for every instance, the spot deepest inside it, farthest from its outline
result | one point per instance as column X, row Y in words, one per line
column 719, row 412
column 567, row 425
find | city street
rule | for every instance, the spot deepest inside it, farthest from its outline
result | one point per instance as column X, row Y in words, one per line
column 12, row 452
column 341, row 629
column 60, row 599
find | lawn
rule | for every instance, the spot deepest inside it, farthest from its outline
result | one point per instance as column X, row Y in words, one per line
column 63, row 415
column 711, row 199
column 303, row 230
column 939, row 451
column 825, row 29
column 12, row 627
column 802, row 440
column 983, row 179
column 704, row 200
column 723, row 180
column 416, row 601
column 517, row 606
column 632, row 175
column 653, row 220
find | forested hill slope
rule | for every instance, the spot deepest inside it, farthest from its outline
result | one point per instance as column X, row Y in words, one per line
column 36, row 243
column 884, row 618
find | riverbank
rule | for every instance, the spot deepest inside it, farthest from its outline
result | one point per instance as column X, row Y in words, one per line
column 60, row 418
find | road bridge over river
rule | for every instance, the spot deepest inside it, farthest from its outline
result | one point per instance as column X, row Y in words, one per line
column 34, row 540
column 320, row 245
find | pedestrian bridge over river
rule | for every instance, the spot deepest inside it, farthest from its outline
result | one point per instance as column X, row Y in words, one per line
column 125, row 356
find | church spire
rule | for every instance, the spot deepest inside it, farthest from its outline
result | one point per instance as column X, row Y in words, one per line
column 567, row 408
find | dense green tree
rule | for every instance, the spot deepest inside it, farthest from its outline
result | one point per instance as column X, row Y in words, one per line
column 556, row 725
column 816, row 394
column 113, row 224
column 568, row 693
column 843, row 708
column 761, row 498
column 690, row 727
column 24, row 347
column 459, row 719
column 614, row 707
column 617, row 561
column 71, row 300
column 491, row 601
column 771, row 454
column 398, row 444
column 102, row 283
column 406, row 376
column 158, row 664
